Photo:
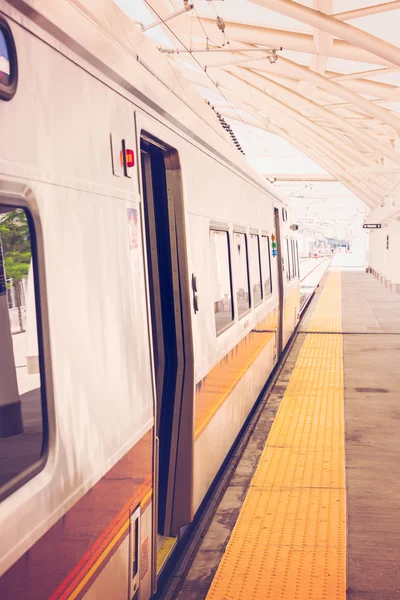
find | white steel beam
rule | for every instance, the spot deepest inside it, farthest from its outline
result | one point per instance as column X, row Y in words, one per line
column 210, row 50
column 374, row 169
column 340, row 143
column 327, row 142
column 187, row 8
column 299, row 177
column 331, row 25
column 362, row 74
column 338, row 90
column 238, row 101
column 312, row 152
column 366, row 11
column 319, row 155
column 268, row 85
column 335, row 150
column 251, row 33
column 326, row 152
column 280, row 69
column 322, row 158
column 378, row 89
column 323, row 41
column 234, row 61
column 300, row 72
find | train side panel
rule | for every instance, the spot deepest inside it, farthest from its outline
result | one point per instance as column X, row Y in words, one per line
column 76, row 511
column 67, row 532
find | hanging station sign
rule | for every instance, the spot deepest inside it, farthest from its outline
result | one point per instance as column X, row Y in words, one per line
column 372, row 226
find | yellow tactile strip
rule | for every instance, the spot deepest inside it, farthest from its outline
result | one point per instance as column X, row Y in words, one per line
column 289, row 540
column 328, row 312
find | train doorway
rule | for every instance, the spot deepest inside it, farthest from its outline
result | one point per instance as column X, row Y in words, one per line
column 170, row 306
column 281, row 268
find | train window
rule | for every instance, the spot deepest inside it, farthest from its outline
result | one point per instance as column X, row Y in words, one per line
column 288, row 262
column 221, row 279
column 294, row 271
column 241, row 273
column 297, row 259
column 266, row 265
column 8, row 62
column 22, row 402
column 255, row 268
column 291, row 258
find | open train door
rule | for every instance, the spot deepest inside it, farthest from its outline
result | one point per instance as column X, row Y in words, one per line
column 281, row 269
column 170, row 305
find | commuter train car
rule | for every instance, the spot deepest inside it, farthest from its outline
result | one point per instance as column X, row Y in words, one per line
column 162, row 283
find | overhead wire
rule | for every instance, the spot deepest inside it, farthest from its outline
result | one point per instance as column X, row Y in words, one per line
column 249, row 87
column 190, row 52
column 137, row 57
column 256, row 104
column 204, row 31
column 227, row 42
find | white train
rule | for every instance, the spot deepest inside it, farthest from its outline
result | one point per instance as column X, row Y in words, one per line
column 163, row 275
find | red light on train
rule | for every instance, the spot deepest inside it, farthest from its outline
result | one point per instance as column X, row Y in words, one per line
column 130, row 158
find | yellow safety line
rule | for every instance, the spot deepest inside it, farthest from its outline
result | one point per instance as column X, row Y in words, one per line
column 328, row 312
column 289, row 542
column 223, row 379
column 146, row 498
column 98, row 562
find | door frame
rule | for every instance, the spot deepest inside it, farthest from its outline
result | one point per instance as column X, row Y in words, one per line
column 281, row 270
column 179, row 508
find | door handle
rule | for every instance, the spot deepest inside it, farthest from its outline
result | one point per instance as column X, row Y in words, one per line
column 195, row 295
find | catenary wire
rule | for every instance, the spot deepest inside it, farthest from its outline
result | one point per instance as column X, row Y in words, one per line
column 190, row 52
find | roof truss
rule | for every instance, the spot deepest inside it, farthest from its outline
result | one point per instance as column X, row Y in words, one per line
column 347, row 122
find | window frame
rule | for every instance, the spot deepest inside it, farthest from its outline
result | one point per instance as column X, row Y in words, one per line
column 225, row 229
column 253, row 304
column 244, row 232
column 7, row 92
column 15, row 195
column 294, row 268
column 289, row 266
column 269, row 266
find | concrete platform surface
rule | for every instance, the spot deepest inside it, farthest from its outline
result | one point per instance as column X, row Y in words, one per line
column 362, row 318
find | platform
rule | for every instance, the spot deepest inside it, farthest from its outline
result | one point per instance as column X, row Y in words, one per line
column 312, row 510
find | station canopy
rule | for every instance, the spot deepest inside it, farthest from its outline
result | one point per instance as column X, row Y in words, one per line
column 311, row 88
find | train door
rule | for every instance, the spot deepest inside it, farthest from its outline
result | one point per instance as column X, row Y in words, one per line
column 170, row 306
column 281, row 268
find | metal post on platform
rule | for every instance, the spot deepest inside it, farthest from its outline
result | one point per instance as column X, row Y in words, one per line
column 10, row 404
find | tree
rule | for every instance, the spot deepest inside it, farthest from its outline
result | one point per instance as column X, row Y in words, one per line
column 15, row 238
